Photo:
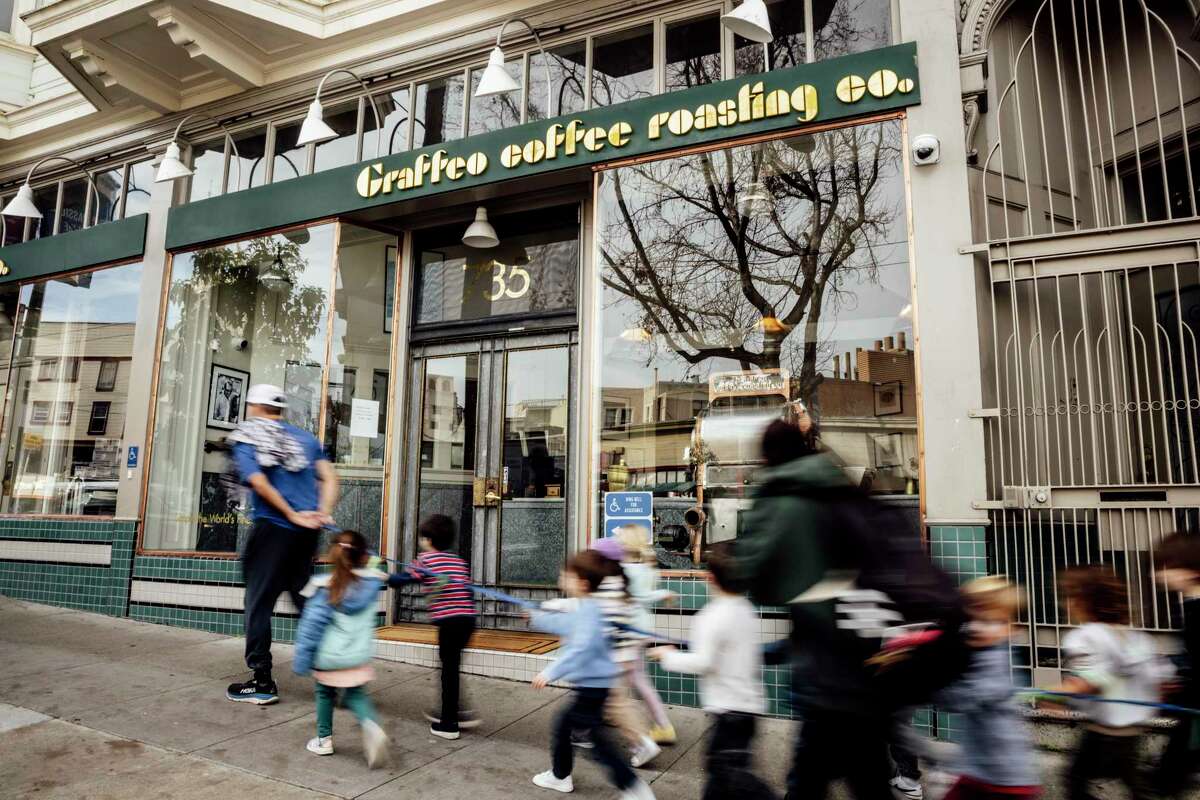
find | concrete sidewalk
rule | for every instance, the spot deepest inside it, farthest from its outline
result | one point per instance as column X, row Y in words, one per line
column 97, row 707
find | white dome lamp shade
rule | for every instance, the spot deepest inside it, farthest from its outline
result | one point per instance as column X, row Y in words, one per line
column 171, row 167
column 315, row 129
column 481, row 235
column 750, row 21
column 495, row 79
column 22, row 205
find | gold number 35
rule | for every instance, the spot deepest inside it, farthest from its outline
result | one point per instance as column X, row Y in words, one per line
column 504, row 279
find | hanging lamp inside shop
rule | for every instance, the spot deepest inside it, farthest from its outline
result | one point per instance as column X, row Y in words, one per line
column 496, row 79
column 750, row 21
column 315, row 129
column 275, row 278
column 480, row 234
column 172, row 168
column 22, row 204
column 755, row 199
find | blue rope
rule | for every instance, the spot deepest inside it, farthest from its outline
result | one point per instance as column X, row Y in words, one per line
column 504, row 597
column 1097, row 698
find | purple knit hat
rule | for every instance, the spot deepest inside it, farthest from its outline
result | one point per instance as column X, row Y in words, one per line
column 609, row 548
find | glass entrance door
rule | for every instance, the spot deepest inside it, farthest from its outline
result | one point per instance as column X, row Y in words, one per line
column 491, row 436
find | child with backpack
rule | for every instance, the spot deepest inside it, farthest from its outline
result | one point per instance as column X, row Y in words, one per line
column 1107, row 658
column 997, row 752
column 726, row 653
column 640, row 565
column 586, row 661
column 1179, row 570
column 335, row 642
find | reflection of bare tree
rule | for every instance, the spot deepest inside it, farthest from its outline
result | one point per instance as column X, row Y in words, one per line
column 711, row 281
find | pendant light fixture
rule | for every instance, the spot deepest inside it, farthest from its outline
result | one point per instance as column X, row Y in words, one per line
column 495, row 78
column 315, row 129
column 750, row 21
column 172, row 168
column 22, row 204
column 480, row 234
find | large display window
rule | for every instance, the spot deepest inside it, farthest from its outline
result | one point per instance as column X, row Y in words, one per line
column 67, row 345
column 735, row 287
column 308, row 310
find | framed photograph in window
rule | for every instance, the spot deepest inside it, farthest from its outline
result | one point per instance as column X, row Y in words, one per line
column 888, row 399
column 227, row 397
column 389, row 287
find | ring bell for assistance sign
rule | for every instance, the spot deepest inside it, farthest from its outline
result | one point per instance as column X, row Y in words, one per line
column 628, row 508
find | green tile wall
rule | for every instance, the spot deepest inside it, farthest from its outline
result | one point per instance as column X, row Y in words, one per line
column 104, row 590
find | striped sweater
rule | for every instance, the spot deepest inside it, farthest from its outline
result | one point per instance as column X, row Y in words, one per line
column 452, row 599
column 619, row 612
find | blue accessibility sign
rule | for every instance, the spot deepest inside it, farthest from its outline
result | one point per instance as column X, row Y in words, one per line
column 628, row 504
column 628, row 508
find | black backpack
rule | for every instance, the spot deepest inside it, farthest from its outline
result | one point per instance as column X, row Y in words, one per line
column 897, row 588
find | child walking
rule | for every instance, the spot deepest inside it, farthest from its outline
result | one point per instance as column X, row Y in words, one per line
column 620, row 613
column 1109, row 659
column 727, row 655
column 998, row 759
column 335, row 641
column 452, row 610
column 640, row 564
column 586, row 661
column 1179, row 569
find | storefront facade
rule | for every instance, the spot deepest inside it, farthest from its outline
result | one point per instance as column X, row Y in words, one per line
column 694, row 235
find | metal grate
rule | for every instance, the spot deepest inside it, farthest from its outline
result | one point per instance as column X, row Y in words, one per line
column 1094, row 117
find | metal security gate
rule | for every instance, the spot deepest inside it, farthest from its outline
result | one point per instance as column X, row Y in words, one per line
column 1090, row 329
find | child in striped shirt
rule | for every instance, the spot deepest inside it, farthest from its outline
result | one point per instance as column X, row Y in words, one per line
column 452, row 610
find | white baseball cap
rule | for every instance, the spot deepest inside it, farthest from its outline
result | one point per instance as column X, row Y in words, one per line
column 264, row 394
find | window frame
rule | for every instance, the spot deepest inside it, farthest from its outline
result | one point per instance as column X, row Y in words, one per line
column 111, row 385
column 97, row 405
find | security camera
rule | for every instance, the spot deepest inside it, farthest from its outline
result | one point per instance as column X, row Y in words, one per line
column 926, row 150
column 241, row 344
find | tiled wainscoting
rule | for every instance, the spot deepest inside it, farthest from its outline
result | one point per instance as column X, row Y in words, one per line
column 206, row 593
column 78, row 563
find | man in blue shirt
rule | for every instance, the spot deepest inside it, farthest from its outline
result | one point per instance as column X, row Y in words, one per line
column 295, row 489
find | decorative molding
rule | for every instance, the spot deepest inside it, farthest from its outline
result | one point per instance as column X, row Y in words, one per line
column 977, row 18
column 971, row 115
column 119, row 78
column 207, row 45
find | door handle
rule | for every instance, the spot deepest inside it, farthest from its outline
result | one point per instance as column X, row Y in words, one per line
column 486, row 493
column 492, row 499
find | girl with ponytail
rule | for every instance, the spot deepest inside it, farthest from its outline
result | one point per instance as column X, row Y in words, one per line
column 335, row 641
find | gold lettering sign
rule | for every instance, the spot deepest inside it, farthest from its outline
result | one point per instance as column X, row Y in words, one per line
column 752, row 102
column 3, row 268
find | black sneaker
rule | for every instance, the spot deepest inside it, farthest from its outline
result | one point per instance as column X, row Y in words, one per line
column 466, row 719
column 444, row 731
column 259, row 690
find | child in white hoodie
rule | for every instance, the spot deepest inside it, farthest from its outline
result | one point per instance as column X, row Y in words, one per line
column 1107, row 658
column 726, row 652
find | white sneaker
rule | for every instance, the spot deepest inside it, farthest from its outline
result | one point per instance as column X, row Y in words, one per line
column 546, row 780
column 639, row 791
column 645, row 753
column 907, row 788
column 375, row 743
column 321, row 745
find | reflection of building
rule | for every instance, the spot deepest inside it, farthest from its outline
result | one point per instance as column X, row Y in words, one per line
column 649, row 430
column 69, row 390
column 868, row 414
column 442, row 429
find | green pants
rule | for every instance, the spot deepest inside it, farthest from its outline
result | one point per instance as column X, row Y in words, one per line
column 356, row 699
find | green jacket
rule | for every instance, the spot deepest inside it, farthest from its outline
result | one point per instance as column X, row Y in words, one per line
column 779, row 552
column 781, row 555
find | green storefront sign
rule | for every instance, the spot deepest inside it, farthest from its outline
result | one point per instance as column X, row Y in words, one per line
column 855, row 85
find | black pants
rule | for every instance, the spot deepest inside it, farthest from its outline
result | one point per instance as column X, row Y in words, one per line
column 729, row 761
column 1103, row 756
column 835, row 745
column 586, row 713
column 1179, row 760
column 453, row 635
column 277, row 559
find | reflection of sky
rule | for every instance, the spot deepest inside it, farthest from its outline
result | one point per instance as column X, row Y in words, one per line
column 863, row 309
column 111, row 297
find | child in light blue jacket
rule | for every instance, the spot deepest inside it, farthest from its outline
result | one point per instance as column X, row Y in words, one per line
column 586, row 661
column 335, row 641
